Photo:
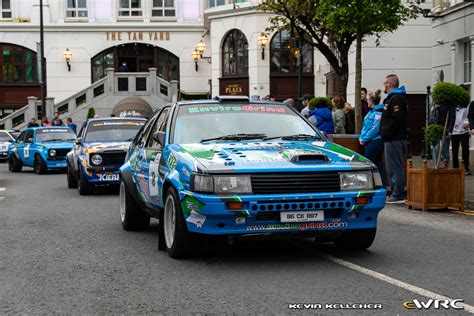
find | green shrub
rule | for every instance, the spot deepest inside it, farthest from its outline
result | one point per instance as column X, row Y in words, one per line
column 313, row 101
column 449, row 94
column 91, row 113
column 433, row 134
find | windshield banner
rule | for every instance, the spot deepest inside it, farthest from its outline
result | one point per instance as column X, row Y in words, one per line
column 208, row 108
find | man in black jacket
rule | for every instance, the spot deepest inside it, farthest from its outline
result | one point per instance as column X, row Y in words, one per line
column 393, row 129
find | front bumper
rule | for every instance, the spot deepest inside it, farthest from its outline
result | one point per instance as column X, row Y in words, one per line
column 209, row 214
column 56, row 163
column 3, row 155
column 102, row 175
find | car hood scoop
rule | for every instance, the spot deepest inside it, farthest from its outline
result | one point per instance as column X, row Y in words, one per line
column 308, row 158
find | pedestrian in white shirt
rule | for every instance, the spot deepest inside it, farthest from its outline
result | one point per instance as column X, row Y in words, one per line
column 460, row 134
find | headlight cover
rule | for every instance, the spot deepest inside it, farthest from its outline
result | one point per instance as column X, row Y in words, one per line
column 221, row 184
column 52, row 152
column 357, row 180
column 377, row 179
column 96, row 159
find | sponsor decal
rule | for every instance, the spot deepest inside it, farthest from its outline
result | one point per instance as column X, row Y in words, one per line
column 190, row 204
column 54, row 130
column 196, row 219
column 436, row 304
column 298, row 226
column 108, row 177
column 153, row 177
column 237, row 108
column 335, row 306
column 26, row 151
column 185, row 172
column 240, row 220
column 172, row 161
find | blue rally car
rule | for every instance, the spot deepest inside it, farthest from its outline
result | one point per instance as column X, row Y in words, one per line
column 42, row 148
column 99, row 151
column 233, row 167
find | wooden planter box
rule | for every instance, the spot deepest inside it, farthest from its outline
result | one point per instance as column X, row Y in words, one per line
column 350, row 141
column 435, row 188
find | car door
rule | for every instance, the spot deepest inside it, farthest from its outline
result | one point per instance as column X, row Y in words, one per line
column 77, row 147
column 28, row 148
column 149, row 156
column 19, row 146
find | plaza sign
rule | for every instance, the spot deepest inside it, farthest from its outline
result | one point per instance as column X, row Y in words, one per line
column 137, row 36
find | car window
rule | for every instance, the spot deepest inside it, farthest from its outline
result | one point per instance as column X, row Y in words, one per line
column 113, row 130
column 29, row 137
column 4, row 137
column 142, row 134
column 21, row 138
column 160, row 121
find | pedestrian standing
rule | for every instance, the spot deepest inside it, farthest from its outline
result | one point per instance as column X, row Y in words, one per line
column 33, row 123
column 71, row 125
column 349, row 119
column 304, row 102
column 290, row 102
column 363, row 102
column 45, row 122
column 393, row 129
column 370, row 135
column 460, row 134
column 57, row 121
column 321, row 117
column 123, row 82
column 338, row 114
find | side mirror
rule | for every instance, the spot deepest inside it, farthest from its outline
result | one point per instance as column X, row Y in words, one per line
column 78, row 141
column 159, row 137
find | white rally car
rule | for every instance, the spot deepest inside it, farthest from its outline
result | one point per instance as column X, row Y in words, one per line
column 6, row 137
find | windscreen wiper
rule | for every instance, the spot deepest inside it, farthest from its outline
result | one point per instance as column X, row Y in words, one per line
column 294, row 137
column 236, row 137
column 55, row 140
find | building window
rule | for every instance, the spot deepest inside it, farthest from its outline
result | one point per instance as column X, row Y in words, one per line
column 130, row 8
column 282, row 52
column 163, row 8
column 235, row 54
column 18, row 65
column 467, row 62
column 216, row 3
column 6, row 9
column 76, row 9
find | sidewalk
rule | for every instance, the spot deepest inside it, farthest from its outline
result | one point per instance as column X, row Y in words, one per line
column 468, row 180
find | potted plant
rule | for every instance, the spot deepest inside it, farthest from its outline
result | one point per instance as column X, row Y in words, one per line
column 433, row 188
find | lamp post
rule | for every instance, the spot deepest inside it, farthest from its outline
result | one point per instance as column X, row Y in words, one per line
column 196, row 56
column 42, row 67
column 67, row 57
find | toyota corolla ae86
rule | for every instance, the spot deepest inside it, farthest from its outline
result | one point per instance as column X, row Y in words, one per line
column 43, row 148
column 232, row 167
column 99, row 151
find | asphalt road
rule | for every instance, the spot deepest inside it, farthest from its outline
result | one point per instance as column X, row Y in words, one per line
column 63, row 253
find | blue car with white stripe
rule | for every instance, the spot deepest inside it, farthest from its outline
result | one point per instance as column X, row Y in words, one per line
column 231, row 167
column 42, row 148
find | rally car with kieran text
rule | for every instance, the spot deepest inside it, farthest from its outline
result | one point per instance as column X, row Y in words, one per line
column 42, row 148
column 99, row 151
column 232, row 167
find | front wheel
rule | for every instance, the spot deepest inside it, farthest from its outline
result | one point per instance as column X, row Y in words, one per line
column 357, row 239
column 178, row 240
column 132, row 215
column 39, row 166
column 83, row 186
column 14, row 164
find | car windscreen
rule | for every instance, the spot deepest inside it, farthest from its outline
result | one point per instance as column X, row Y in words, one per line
column 4, row 137
column 113, row 130
column 54, row 135
column 197, row 122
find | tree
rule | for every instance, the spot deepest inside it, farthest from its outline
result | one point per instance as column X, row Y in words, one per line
column 332, row 26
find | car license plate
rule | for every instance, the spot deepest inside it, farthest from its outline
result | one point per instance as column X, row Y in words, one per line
column 61, row 164
column 302, row 216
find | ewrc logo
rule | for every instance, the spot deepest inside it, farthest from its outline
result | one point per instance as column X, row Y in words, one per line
column 436, row 304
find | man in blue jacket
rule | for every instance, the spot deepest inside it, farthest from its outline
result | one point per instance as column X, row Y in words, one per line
column 393, row 129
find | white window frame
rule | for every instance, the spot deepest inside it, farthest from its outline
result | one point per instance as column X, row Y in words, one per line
column 467, row 62
column 76, row 11
column 130, row 10
column 163, row 8
column 2, row 11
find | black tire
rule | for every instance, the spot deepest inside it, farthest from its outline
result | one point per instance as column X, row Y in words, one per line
column 357, row 239
column 161, row 232
column 83, row 186
column 39, row 165
column 14, row 164
column 132, row 216
column 182, row 244
column 71, row 181
column 3, row 160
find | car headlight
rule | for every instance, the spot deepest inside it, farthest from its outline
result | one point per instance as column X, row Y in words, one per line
column 52, row 152
column 221, row 184
column 96, row 159
column 377, row 179
column 357, row 180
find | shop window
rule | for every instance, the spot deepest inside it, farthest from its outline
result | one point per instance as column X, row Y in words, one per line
column 5, row 9
column 163, row 8
column 130, row 8
column 235, row 54
column 18, row 64
column 100, row 63
column 284, row 55
column 467, row 62
column 76, row 9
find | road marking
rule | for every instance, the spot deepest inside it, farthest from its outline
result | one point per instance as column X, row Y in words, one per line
column 2, row 189
column 390, row 280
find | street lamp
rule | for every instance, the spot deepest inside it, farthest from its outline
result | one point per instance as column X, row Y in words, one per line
column 200, row 47
column 262, row 41
column 67, row 57
column 196, row 56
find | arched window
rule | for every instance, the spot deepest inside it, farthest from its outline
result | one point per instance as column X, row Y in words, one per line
column 18, row 65
column 282, row 52
column 235, row 54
